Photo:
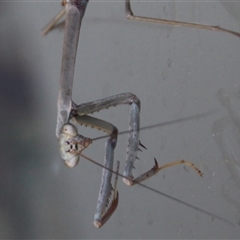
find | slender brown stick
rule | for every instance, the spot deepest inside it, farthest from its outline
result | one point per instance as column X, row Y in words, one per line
column 130, row 15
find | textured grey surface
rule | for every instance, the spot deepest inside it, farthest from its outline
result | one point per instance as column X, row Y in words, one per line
column 187, row 79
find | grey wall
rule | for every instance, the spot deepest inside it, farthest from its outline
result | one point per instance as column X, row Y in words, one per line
column 188, row 82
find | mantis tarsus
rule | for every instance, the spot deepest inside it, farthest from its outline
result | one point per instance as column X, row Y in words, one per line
column 72, row 143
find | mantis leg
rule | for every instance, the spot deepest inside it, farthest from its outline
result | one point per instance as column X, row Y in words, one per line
column 108, row 195
column 130, row 15
column 107, row 204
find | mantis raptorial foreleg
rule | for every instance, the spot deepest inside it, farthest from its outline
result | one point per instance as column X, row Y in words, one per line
column 106, row 203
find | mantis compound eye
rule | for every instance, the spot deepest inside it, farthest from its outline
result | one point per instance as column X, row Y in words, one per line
column 69, row 129
column 72, row 162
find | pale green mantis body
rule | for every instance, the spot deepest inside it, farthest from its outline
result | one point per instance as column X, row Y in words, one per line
column 72, row 143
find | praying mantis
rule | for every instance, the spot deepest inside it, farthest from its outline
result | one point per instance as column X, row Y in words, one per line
column 71, row 142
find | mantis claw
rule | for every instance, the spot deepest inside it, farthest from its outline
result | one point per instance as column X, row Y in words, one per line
column 140, row 144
